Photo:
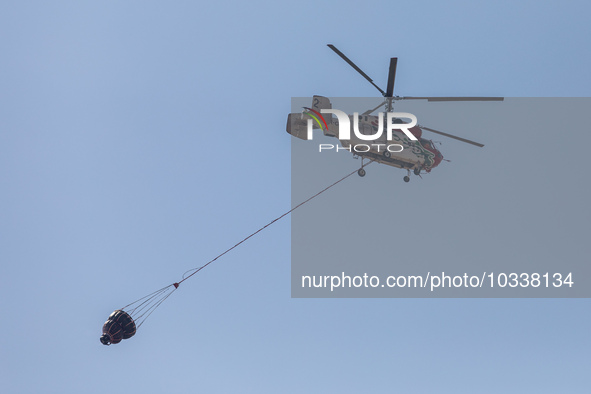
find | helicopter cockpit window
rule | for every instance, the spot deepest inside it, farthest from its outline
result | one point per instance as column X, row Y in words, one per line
column 426, row 143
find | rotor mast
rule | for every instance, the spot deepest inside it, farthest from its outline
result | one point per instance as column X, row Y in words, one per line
column 389, row 94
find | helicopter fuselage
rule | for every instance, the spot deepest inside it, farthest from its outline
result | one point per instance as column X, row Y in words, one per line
column 399, row 151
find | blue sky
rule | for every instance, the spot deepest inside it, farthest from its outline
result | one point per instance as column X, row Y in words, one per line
column 139, row 140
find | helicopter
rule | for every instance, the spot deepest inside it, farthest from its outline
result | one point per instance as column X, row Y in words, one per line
column 404, row 147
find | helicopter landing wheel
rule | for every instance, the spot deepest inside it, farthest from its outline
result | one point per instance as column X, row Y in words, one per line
column 361, row 172
column 387, row 154
column 417, row 171
column 406, row 179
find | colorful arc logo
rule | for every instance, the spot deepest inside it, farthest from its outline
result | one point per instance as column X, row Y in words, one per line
column 312, row 112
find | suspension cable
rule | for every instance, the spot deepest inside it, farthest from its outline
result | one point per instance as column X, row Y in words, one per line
column 152, row 301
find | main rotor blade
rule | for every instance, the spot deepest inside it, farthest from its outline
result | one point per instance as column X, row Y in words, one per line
column 345, row 58
column 452, row 98
column 452, row 136
column 391, row 77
